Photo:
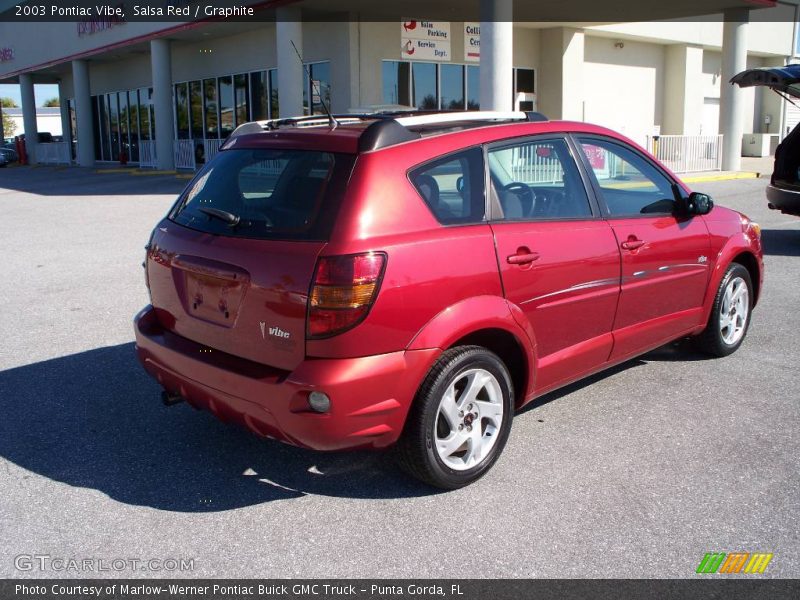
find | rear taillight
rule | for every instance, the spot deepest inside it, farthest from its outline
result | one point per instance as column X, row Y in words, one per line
column 343, row 292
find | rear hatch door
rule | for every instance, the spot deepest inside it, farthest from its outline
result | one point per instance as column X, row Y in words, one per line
column 781, row 79
column 232, row 264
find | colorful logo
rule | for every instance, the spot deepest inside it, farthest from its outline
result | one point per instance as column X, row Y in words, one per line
column 735, row 562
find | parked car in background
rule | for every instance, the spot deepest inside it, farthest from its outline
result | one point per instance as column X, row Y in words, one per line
column 783, row 191
column 413, row 280
column 9, row 155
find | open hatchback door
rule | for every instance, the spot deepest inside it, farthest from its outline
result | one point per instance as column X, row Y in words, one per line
column 783, row 191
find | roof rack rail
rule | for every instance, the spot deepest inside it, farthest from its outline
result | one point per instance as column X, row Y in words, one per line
column 388, row 132
column 388, row 127
column 458, row 116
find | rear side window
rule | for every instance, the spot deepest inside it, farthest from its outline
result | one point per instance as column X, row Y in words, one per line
column 266, row 194
column 535, row 180
column 452, row 187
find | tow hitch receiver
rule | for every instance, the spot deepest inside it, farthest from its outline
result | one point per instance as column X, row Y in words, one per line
column 170, row 399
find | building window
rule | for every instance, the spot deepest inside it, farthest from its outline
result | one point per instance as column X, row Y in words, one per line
column 214, row 107
column 318, row 88
column 226, row 116
column 274, row 106
column 241, row 100
column 97, row 129
column 443, row 86
column 196, row 109
column 524, row 87
column 210, row 100
column 473, row 87
column 424, row 85
column 72, row 127
column 182, row 111
column 122, row 121
column 396, row 82
column 259, row 95
column 452, row 87
column 146, row 124
column 113, row 120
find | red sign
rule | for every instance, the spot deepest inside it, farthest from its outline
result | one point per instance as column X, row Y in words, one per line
column 596, row 156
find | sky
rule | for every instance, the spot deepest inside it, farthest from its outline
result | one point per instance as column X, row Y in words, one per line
column 42, row 92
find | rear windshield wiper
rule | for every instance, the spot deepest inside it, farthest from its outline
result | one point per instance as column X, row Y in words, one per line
column 229, row 218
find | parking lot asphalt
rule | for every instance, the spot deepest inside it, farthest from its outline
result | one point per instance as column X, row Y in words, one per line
column 637, row 472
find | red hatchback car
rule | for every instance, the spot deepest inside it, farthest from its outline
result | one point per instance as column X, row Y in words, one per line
column 412, row 281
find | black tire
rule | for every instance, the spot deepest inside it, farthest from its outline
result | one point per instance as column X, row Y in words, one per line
column 416, row 452
column 711, row 340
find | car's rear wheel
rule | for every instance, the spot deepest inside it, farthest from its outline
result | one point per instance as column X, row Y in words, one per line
column 730, row 315
column 460, row 419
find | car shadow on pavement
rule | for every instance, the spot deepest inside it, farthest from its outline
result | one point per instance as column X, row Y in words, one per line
column 95, row 420
column 682, row 350
column 781, row 242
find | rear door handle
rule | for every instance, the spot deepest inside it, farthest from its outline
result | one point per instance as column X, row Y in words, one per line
column 632, row 243
column 523, row 258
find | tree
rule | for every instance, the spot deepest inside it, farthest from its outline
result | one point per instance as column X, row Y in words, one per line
column 9, row 126
column 52, row 103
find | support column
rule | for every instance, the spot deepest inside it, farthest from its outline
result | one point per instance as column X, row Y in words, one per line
column 83, row 113
column 161, row 66
column 288, row 29
column 497, row 55
column 734, row 60
column 63, row 105
column 559, row 83
column 2, row 129
column 683, row 90
column 29, row 116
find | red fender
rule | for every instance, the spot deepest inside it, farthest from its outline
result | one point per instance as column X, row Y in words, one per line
column 475, row 314
column 736, row 245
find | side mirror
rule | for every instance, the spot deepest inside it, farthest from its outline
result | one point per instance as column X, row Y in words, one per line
column 697, row 204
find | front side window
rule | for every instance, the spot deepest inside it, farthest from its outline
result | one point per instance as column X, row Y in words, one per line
column 629, row 184
column 452, row 187
column 537, row 180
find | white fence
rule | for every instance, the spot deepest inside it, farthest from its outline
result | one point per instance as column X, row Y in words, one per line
column 688, row 153
column 184, row 154
column 53, row 153
column 210, row 148
column 147, row 154
column 536, row 164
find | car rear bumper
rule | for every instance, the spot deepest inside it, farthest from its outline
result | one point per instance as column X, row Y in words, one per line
column 370, row 396
column 783, row 199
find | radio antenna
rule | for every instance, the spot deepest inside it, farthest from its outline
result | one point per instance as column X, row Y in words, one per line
column 331, row 120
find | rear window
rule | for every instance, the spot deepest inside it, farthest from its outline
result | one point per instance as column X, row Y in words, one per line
column 266, row 194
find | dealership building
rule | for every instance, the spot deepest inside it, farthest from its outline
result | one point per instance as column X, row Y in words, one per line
column 166, row 94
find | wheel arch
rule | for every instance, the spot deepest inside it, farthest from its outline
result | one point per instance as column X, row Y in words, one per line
column 750, row 262
column 487, row 321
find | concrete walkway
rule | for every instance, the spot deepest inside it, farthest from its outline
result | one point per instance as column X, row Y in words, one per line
column 751, row 168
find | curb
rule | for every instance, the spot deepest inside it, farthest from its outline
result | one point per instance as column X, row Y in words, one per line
column 721, row 177
column 146, row 172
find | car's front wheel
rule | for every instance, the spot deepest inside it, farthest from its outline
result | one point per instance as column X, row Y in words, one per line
column 730, row 315
column 460, row 419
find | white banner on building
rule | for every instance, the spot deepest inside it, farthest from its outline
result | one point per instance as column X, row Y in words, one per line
column 424, row 40
column 472, row 42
